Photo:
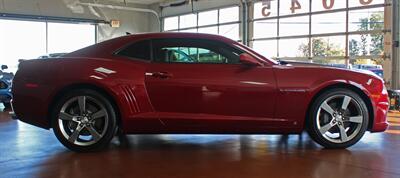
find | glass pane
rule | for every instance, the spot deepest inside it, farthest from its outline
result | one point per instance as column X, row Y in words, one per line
column 230, row 31
column 192, row 30
column 171, row 23
column 209, row 30
column 328, row 46
column 294, row 6
column 366, row 44
column 265, row 9
column 189, row 20
column 328, row 23
column 366, row 19
column 322, row 5
column 21, row 40
column 229, row 15
column 64, row 37
column 208, row 17
column 267, row 48
column 354, row 3
column 265, row 28
column 287, row 26
column 297, row 47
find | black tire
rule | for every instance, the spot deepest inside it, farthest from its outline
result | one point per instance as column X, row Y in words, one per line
column 108, row 130
column 7, row 105
column 312, row 122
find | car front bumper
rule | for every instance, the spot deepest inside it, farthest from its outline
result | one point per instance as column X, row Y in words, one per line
column 380, row 121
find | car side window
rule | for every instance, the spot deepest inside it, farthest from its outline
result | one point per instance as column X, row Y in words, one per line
column 138, row 50
column 194, row 51
column 192, row 55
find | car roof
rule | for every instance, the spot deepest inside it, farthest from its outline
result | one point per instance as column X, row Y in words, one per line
column 138, row 36
column 108, row 47
column 176, row 34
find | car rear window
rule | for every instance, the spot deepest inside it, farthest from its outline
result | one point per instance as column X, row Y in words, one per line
column 139, row 50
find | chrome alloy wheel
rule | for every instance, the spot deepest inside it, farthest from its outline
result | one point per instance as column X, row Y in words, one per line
column 340, row 118
column 83, row 120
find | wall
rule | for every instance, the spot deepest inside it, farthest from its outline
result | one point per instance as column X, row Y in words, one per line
column 133, row 22
column 387, row 63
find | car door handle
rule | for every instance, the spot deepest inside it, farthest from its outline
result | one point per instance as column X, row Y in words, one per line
column 162, row 75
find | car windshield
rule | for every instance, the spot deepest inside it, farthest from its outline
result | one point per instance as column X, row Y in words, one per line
column 258, row 55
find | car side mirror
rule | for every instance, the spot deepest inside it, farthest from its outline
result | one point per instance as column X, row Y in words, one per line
column 3, row 67
column 247, row 59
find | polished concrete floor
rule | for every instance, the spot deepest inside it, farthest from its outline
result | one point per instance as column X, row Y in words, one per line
column 27, row 151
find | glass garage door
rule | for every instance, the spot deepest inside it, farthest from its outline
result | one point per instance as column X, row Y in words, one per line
column 64, row 37
column 31, row 39
column 222, row 21
column 341, row 33
column 21, row 40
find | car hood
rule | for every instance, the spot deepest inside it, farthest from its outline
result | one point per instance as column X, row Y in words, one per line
column 308, row 64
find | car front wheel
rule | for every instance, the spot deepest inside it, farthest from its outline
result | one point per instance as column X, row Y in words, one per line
column 338, row 118
column 84, row 120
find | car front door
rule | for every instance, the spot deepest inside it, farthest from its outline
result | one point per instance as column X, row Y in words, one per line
column 197, row 83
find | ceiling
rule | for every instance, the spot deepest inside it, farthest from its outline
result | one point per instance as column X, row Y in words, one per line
column 146, row 2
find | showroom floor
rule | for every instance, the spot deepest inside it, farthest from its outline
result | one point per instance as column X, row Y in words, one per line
column 27, row 151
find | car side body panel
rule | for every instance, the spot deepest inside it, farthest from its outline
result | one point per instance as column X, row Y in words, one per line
column 284, row 92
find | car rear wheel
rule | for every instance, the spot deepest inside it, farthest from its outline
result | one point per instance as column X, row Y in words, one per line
column 338, row 119
column 84, row 120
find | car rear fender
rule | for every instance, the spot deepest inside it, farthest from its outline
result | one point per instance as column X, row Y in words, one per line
column 121, row 81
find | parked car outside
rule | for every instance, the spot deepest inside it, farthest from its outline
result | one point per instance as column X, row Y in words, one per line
column 5, row 86
column 394, row 96
column 377, row 69
column 343, row 66
column 51, row 55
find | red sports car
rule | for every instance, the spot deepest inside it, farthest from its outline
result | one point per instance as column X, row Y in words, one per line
column 193, row 83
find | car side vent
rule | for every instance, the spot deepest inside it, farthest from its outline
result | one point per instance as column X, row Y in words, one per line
column 130, row 98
